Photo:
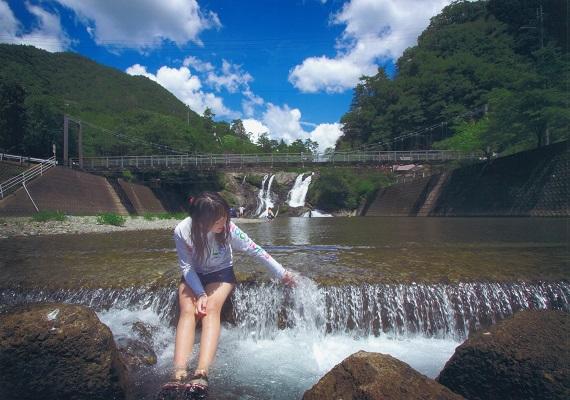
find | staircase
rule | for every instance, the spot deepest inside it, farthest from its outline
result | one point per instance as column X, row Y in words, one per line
column 433, row 195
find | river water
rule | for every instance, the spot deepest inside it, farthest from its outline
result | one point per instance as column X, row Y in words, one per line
column 410, row 287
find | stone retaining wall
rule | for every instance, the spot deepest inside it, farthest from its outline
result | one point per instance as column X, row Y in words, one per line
column 530, row 183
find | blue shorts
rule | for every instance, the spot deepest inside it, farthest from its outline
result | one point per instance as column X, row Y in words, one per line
column 223, row 275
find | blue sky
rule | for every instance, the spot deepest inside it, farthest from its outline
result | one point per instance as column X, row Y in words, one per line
column 286, row 67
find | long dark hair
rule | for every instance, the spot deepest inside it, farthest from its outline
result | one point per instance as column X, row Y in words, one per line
column 206, row 209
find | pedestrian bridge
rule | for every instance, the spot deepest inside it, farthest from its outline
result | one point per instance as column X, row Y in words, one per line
column 237, row 161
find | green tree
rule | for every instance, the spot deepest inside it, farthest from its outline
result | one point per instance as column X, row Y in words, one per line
column 238, row 129
column 209, row 121
column 266, row 143
column 13, row 117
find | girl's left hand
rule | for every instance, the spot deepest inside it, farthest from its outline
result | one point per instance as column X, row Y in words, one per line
column 288, row 279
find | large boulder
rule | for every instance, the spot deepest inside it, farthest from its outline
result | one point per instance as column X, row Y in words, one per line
column 524, row 357
column 58, row 351
column 375, row 376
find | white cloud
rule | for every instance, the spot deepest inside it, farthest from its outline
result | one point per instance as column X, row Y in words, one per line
column 231, row 78
column 186, row 87
column 374, row 30
column 285, row 123
column 280, row 122
column 250, row 102
column 8, row 23
column 197, row 64
column 326, row 135
column 255, row 128
column 48, row 35
column 138, row 69
column 142, row 24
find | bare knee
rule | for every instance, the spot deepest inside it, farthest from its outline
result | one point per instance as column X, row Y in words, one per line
column 186, row 302
column 213, row 308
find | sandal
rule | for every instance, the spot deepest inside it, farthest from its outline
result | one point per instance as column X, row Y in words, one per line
column 171, row 389
column 198, row 385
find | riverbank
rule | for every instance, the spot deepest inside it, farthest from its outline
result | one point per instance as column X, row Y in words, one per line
column 26, row 226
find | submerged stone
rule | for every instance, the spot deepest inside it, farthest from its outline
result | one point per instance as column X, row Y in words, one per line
column 375, row 376
column 135, row 353
column 524, row 357
column 59, row 351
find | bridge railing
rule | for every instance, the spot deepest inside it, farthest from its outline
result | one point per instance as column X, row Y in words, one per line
column 21, row 159
column 237, row 160
column 27, row 175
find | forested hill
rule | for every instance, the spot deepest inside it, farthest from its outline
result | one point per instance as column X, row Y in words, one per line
column 38, row 87
column 487, row 75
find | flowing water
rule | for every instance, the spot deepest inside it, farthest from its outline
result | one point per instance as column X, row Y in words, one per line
column 265, row 197
column 410, row 287
column 297, row 195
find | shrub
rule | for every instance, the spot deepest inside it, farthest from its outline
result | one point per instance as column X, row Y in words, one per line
column 111, row 219
column 337, row 189
column 44, row 216
column 128, row 175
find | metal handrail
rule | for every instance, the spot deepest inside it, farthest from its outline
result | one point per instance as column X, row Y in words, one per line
column 26, row 176
column 21, row 159
column 197, row 160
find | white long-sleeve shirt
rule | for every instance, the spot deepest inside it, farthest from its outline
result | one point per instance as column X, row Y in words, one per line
column 219, row 257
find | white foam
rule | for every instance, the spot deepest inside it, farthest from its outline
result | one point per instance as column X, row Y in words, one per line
column 285, row 365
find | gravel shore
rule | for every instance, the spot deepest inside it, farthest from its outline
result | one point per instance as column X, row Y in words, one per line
column 25, row 226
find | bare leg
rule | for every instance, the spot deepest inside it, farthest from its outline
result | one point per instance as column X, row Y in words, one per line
column 185, row 330
column 217, row 295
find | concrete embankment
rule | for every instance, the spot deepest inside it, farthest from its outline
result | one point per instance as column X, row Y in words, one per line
column 66, row 190
column 531, row 183
column 79, row 193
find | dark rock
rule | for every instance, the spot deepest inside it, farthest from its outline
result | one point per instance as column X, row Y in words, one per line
column 59, row 351
column 524, row 357
column 370, row 376
column 135, row 353
column 144, row 331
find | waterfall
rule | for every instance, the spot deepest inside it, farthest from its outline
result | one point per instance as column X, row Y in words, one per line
column 296, row 196
column 261, row 311
column 265, row 198
column 261, row 196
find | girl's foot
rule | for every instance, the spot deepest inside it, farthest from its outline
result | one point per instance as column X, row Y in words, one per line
column 180, row 373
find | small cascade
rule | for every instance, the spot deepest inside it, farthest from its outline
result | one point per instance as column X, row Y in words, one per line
column 261, row 311
column 297, row 194
column 316, row 214
column 266, row 201
column 397, row 310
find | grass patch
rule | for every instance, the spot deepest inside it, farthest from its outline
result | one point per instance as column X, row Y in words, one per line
column 152, row 216
column 111, row 219
column 44, row 216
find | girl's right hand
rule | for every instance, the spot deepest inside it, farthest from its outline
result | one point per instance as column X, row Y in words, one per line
column 288, row 279
column 201, row 305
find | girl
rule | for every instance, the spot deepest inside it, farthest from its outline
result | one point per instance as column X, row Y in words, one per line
column 204, row 245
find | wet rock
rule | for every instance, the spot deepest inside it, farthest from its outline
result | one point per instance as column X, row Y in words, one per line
column 371, row 376
column 144, row 331
column 59, row 351
column 135, row 353
column 524, row 357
